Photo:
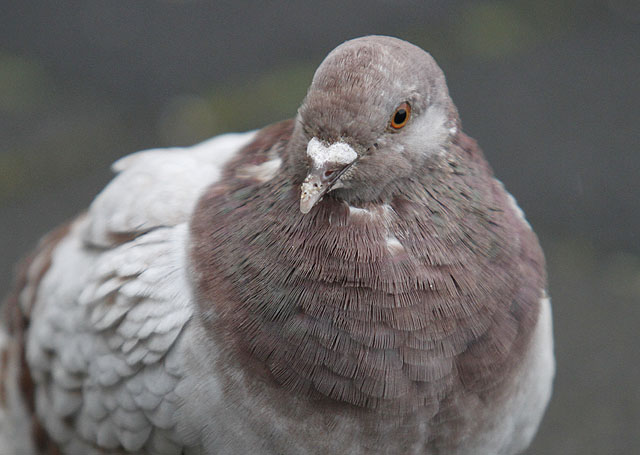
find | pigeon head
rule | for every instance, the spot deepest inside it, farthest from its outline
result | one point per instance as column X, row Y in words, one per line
column 378, row 109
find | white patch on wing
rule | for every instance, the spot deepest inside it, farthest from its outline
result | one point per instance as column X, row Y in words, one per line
column 100, row 344
column 338, row 153
column 217, row 151
column 158, row 187
column 514, row 205
column 536, row 381
column 516, row 208
column 514, row 422
column 261, row 172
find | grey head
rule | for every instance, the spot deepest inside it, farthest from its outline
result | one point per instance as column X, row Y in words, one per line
column 378, row 109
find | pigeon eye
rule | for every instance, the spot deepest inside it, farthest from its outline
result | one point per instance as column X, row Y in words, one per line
column 401, row 116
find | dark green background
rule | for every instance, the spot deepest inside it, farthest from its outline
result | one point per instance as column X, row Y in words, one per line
column 550, row 89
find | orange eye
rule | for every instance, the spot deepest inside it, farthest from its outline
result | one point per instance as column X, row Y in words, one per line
column 401, row 116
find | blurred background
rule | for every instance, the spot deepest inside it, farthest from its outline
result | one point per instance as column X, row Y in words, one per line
column 550, row 89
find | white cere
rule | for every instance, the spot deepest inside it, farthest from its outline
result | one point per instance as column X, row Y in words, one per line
column 338, row 153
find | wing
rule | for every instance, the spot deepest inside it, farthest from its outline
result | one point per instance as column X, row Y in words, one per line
column 106, row 305
column 157, row 188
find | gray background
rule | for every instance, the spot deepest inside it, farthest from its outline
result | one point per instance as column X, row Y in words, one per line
column 548, row 88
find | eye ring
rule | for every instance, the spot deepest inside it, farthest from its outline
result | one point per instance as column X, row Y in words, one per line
column 401, row 116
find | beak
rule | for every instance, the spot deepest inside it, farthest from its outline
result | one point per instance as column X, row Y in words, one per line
column 329, row 162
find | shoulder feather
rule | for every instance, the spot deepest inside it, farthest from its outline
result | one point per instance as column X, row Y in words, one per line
column 155, row 188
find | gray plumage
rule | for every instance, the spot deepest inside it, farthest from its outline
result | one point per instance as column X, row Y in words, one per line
column 353, row 280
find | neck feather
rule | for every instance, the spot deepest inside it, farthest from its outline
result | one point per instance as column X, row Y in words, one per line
column 376, row 306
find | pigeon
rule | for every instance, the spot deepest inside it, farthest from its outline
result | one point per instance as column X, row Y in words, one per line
column 353, row 280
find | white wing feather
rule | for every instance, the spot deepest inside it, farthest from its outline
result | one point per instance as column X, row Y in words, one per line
column 116, row 298
column 157, row 188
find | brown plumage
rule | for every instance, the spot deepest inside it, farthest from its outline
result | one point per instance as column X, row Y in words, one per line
column 344, row 317
column 359, row 287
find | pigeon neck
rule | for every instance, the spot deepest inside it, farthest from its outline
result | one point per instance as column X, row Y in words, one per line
column 372, row 305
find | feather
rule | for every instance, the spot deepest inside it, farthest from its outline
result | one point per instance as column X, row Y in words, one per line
column 204, row 304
